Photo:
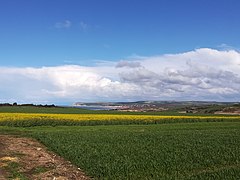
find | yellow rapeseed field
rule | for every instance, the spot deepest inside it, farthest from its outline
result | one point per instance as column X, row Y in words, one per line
column 100, row 117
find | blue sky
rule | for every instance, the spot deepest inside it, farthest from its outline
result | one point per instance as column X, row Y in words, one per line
column 62, row 51
column 111, row 30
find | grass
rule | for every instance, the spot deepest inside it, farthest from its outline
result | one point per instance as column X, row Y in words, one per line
column 203, row 150
column 40, row 169
column 13, row 168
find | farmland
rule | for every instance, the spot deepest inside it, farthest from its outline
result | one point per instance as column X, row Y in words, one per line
column 37, row 119
column 134, row 146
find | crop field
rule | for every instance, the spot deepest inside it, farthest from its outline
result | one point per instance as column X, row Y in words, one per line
column 42, row 119
column 202, row 150
column 134, row 146
column 74, row 110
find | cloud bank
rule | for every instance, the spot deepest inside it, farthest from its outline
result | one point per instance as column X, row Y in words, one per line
column 202, row 74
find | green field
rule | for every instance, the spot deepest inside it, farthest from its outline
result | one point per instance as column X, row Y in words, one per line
column 32, row 109
column 165, row 151
column 74, row 110
column 199, row 150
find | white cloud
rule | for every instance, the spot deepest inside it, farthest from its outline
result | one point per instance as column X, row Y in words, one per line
column 63, row 25
column 227, row 47
column 83, row 26
column 202, row 74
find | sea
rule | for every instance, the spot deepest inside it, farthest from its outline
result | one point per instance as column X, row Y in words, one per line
column 95, row 107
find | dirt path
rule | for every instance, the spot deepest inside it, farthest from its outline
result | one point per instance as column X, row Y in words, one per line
column 25, row 158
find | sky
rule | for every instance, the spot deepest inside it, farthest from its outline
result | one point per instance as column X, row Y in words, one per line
column 66, row 51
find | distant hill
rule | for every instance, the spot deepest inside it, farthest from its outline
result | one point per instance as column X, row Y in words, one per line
column 203, row 107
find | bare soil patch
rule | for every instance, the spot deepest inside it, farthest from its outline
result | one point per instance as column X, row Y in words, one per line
column 26, row 158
